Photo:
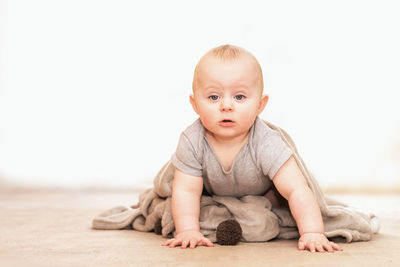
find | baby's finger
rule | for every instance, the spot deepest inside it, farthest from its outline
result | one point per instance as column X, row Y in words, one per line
column 328, row 247
column 166, row 243
column 207, row 242
column 311, row 247
column 175, row 242
column 320, row 248
column 193, row 243
column 184, row 243
column 301, row 245
column 336, row 246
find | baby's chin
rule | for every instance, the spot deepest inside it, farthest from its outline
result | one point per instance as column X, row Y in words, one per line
column 229, row 134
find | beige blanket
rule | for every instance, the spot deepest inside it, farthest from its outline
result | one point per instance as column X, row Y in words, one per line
column 258, row 219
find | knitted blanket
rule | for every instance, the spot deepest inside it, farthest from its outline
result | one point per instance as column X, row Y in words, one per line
column 258, row 219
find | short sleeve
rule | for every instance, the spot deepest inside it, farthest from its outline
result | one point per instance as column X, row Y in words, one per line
column 273, row 153
column 186, row 157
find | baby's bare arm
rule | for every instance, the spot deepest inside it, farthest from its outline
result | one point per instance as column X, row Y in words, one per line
column 186, row 194
column 292, row 185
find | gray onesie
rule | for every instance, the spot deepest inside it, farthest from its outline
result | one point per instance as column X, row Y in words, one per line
column 260, row 158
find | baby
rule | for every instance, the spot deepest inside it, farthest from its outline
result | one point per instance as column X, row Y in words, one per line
column 231, row 152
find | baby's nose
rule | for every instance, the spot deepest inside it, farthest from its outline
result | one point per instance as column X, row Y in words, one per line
column 226, row 105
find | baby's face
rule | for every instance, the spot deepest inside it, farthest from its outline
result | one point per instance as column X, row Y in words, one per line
column 228, row 95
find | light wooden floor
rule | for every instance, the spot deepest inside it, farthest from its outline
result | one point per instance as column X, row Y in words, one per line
column 53, row 228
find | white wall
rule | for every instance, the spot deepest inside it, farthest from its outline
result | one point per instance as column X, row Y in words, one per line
column 96, row 92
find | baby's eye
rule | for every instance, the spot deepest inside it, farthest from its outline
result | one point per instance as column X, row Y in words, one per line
column 239, row 97
column 213, row 97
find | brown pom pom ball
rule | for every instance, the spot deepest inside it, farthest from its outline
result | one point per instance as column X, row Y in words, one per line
column 229, row 233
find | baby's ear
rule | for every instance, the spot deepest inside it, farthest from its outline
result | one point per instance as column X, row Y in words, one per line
column 263, row 103
column 193, row 103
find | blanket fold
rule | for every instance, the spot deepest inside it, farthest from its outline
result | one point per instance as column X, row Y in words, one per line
column 255, row 214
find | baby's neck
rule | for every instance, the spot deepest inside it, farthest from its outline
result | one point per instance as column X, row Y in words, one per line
column 226, row 149
column 227, row 142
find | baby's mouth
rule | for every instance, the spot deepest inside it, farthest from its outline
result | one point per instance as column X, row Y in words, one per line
column 226, row 123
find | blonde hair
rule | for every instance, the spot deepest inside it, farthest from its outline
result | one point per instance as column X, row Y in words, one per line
column 226, row 52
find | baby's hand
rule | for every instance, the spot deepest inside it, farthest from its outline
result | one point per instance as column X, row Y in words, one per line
column 317, row 241
column 192, row 238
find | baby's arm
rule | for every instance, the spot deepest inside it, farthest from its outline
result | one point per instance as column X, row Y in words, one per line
column 186, row 194
column 292, row 185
